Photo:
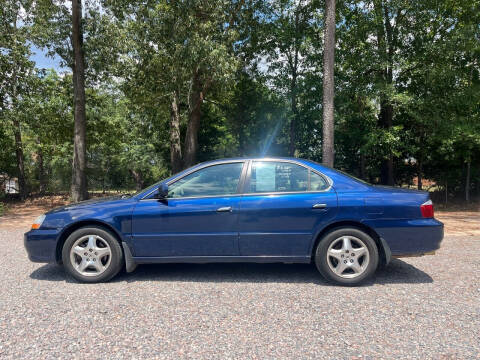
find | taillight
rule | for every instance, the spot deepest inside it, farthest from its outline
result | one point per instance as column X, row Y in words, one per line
column 427, row 209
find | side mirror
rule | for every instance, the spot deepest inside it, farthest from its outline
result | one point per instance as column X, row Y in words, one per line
column 162, row 192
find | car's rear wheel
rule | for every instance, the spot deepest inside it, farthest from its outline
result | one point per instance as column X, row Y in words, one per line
column 92, row 254
column 346, row 256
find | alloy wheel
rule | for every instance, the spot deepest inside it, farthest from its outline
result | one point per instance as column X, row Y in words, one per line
column 348, row 257
column 90, row 255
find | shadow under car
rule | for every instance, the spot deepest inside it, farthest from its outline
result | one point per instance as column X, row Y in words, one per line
column 397, row 271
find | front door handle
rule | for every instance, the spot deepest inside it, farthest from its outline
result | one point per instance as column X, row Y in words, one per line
column 319, row 206
column 225, row 209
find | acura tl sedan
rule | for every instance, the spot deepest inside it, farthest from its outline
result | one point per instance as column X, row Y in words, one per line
column 242, row 210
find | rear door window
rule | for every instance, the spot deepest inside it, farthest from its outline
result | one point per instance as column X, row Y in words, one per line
column 277, row 176
column 270, row 176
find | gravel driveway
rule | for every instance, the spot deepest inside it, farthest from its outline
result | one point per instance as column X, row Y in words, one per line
column 425, row 307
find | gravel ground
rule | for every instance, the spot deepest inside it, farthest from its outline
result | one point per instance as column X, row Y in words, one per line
column 426, row 307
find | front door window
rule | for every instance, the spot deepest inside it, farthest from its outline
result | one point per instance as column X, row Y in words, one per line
column 216, row 180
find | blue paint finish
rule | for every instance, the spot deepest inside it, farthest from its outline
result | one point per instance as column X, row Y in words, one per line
column 185, row 227
column 282, row 224
column 41, row 245
column 260, row 227
column 351, row 205
column 399, row 202
column 374, row 206
column 409, row 236
column 113, row 213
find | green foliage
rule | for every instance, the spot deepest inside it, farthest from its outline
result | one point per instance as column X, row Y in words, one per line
column 259, row 67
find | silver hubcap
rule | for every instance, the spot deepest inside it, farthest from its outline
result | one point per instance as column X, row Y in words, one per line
column 90, row 255
column 348, row 257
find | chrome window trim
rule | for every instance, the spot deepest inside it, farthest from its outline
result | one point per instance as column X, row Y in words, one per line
column 245, row 179
column 285, row 193
column 198, row 197
column 244, row 194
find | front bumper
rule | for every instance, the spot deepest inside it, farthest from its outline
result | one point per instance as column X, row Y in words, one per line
column 41, row 245
column 409, row 237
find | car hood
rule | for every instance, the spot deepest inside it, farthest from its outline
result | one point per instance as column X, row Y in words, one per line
column 91, row 203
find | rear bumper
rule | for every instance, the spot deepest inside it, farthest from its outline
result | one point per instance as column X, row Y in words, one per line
column 41, row 245
column 409, row 237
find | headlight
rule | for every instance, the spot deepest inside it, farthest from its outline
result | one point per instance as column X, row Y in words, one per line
column 38, row 222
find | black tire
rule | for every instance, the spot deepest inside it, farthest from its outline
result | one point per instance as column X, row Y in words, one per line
column 115, row 263
column 321, row 259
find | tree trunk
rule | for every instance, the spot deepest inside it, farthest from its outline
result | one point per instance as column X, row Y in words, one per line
column 328, row 84
column 419, row 173
column 191, row 137
column 22, row 184
column 175, row 144
column 79, row 179
column 386, row 172
column 467, row 183
column 17, row 132
column 138, row 177
column 293, row 122
column 385, row 48
column 293, row 88
column 385, row 119
column 363, row 167
column 41, row 169
column 446, row 191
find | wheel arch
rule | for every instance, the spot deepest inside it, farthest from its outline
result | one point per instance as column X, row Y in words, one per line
column 80, row 224
column 383, row 252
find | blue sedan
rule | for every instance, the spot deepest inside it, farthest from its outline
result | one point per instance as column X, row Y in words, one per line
column 242, row 210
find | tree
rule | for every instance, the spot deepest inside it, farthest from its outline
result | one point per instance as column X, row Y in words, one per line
column 79, row 179
column 328, row 84
column 288, row 31
column 189, row 81
column 16, row 76
column 180, row 52
column 254, row 115
column 175, row 142
column 49, row 127
column 79, row 41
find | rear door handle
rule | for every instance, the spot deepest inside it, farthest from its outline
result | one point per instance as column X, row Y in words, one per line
column 319, row 206
column 224, row 209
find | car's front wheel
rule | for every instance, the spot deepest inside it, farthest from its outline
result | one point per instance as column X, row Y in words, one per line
column 346, row 256
column 92, row 254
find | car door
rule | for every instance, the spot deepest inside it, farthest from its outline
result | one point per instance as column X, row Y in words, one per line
column 198, row 218
column 283, row 205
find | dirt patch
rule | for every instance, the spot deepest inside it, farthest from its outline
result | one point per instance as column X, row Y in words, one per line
column 22, row 214
column 466, row 223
